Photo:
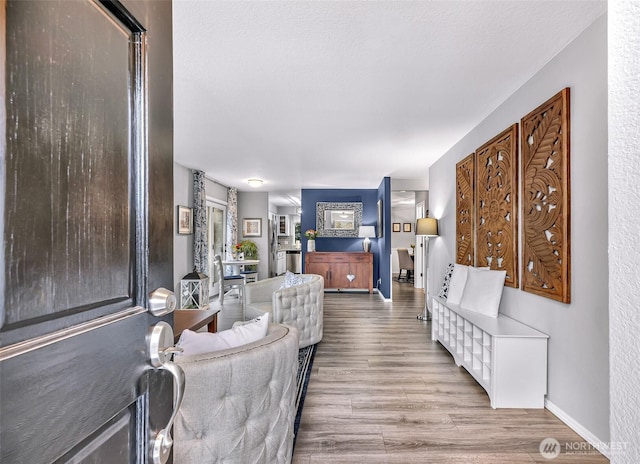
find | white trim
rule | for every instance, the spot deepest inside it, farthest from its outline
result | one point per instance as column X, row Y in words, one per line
column 420, row 252
column 578, row 428
column 211, row 199
column 214, row 288
column 207, row 176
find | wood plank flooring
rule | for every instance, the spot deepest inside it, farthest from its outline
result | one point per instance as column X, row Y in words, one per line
column 382, row 392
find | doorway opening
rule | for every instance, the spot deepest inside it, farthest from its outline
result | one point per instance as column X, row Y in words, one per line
column 216, row 238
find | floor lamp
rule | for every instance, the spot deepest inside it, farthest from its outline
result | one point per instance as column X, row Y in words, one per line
column 426, row 227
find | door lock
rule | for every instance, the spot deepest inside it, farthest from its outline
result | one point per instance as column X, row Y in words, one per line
column 162, row 302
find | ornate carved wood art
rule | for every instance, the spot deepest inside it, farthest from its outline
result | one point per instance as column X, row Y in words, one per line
column 497, row 204
column 546, row 254
column 464, row 211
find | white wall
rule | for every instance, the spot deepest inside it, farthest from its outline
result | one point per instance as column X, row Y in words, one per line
column 402, row 214
column 215, row 190
column 578, row 366
column 182, row 244
column 624, row 223
column 423, row 196
column 256, row 205
column 410, row 184
column 250, row 205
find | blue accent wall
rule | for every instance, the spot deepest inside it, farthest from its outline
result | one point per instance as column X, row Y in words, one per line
column 384, row 243
column 369, row 199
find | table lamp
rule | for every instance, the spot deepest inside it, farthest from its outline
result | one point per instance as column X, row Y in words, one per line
column 366, row 232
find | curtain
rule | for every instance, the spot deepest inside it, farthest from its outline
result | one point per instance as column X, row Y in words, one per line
column 232, row 219
column 200, row 245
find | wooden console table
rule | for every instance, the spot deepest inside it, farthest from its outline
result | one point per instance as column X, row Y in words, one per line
column 342, row 270
column 194, row 319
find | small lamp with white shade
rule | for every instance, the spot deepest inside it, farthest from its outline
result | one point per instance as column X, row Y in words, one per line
column 426, row 227
column 366, row 232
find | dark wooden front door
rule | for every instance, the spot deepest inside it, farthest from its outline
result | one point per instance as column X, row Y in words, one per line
column 86, row 237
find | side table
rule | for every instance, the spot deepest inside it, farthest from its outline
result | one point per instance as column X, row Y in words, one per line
column 194, row 319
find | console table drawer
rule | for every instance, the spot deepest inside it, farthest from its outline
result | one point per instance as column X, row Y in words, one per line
column 323, row 257
column 361, row 258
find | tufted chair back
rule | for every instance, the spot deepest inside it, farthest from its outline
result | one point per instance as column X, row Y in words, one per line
column 239, row 404
column 300, row 306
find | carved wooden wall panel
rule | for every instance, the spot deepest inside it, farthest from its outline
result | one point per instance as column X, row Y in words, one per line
column 465, row 211
column 546, row 200
column 497, row 204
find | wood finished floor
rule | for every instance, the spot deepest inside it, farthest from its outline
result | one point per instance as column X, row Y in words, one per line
column 382, row 392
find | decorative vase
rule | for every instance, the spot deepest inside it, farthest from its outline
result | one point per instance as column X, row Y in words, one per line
column 311, row 245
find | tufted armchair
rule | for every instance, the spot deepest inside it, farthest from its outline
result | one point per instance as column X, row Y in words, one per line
column 239, row 404
column 300, row 306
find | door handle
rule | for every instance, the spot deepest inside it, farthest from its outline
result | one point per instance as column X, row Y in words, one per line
column 161, row 350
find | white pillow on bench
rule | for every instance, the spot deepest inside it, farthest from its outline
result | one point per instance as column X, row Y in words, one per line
column 483, row 291
column 457, row 283
column 446, row 281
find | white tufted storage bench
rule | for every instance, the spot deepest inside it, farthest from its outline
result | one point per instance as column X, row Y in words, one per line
column 300, row 306
column 239, row 404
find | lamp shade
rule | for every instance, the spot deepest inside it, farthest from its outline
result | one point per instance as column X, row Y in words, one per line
column 366, row 231
column 427, row 227
column 195, row 275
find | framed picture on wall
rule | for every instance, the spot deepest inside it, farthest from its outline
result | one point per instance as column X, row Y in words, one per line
column 185, row 220
column 252, row 227
column 406, row 227
column 395, row 227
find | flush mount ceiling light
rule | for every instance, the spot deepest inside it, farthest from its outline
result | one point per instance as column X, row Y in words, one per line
column 255, row 183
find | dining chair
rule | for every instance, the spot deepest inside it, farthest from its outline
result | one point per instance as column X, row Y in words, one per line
column 405, row 263
column 228, row 281
column 249, row 276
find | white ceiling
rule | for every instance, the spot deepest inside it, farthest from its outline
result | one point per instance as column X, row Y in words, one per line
column 339, row 94
column 402, row 199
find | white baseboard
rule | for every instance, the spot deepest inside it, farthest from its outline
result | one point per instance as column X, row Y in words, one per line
column 578, row 428
column 381, row 296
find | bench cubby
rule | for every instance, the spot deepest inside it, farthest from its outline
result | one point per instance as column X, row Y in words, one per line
column 506, row 357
